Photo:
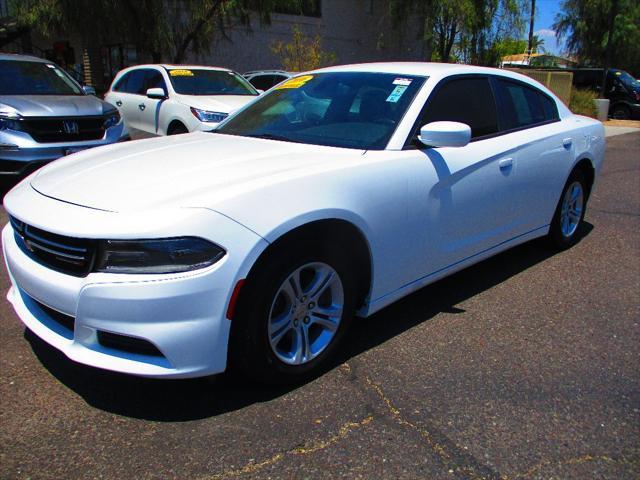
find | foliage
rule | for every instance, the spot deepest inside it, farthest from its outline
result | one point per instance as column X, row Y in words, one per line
column 161, row 29
column 598, row 29
column 513, row 46
column 302, row 53
column 582, row 102
column 469, row 30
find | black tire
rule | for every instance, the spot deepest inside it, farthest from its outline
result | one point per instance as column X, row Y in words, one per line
column 557, row 239
column 250, row 353
column 177, row 129
column 621, row 112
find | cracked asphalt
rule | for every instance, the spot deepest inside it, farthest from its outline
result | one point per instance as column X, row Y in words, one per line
column 525, row 366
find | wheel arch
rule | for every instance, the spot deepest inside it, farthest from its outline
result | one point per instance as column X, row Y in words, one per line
column 337, row 231
column 586, row 165
column 173, row 123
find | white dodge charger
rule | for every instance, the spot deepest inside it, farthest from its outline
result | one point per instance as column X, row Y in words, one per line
column 252, row 247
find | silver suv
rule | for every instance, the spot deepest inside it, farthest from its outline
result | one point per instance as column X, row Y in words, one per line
column 45, row 114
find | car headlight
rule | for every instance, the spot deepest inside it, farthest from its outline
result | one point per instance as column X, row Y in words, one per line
column 10, row 122
column 111, row 118
column 207, row 116
column 167, row 255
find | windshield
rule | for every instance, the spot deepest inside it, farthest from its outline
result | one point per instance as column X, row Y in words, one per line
column 339, row 109
column 35, row 78
column 209, row 82
column 627, row 79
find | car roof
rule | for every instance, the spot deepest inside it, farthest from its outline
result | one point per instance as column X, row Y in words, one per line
column 25, row 58
column 427, row 69
column 260, row 72
column 169, row 66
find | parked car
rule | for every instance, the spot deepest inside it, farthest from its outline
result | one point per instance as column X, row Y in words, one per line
column 265, row 79
column 171, row 99
column 251, row 247
column 622, row 90
column 45, row 114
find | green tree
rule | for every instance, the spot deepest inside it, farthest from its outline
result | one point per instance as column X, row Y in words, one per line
column 469, row 30
column 161, row 29
column 302, row 53
column 603, row 33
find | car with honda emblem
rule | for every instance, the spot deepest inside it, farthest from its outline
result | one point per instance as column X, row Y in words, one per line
column 45, row 114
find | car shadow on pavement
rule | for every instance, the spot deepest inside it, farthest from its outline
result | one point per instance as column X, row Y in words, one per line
column 183, row 400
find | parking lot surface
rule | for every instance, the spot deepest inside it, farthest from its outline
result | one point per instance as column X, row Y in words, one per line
column 525, row 366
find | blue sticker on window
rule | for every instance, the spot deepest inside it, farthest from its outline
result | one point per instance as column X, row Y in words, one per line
column 396, row 94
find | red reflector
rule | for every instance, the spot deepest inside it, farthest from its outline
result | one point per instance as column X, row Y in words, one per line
column 234, row 299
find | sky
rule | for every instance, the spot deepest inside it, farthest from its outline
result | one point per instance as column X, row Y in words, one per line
column 546, row 11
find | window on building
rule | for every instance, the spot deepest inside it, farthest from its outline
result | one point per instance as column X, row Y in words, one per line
column 307, row 8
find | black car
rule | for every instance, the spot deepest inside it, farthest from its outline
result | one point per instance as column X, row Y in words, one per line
column 622, row 90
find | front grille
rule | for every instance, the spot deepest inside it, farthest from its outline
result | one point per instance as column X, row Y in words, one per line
column 63, row 129
column 73, row 256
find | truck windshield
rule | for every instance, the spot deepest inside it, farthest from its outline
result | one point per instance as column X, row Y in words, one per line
column 627, row 79
column 18, row 77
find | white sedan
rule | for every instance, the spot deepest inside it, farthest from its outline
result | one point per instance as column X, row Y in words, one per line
column 171, row 99
column 336, row 193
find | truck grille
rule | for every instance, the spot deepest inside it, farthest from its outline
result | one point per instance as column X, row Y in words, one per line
column 73, row 256
column 64, row 129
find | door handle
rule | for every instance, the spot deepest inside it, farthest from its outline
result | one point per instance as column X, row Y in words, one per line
column 142, row 107
column 505, row 163
column 566, row 143
column 119, row 103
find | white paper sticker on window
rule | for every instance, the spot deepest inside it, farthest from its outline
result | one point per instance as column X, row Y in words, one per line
column 402, row 81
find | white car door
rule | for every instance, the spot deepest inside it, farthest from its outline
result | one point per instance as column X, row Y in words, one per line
column 126, row 96
column 544, row 149
column 149, row 108
column 467, row 197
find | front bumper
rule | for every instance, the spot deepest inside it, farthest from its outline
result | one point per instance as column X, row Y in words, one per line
column 182, row 315
column 21, row 155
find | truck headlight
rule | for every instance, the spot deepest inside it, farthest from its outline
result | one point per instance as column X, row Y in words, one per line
column 167, row 255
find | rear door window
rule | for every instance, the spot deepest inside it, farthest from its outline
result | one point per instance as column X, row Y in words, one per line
column 522, row 106
column 262, row 82
column 465, row 100
column 136, row 82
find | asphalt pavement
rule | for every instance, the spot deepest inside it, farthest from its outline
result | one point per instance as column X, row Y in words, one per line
column 525, row 366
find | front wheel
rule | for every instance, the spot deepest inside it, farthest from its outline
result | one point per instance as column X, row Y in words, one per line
column 565, row 228
column 292, row 314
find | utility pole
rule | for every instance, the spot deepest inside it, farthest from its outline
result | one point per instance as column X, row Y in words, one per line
column 533, row 15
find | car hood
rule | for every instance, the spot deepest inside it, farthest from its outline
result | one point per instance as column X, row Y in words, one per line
column 217, row 103
column 54, row 105
column 193, row 170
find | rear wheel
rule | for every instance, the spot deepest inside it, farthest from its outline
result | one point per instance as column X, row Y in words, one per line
column 293, row 312
column 565, row 228
column 621, row 112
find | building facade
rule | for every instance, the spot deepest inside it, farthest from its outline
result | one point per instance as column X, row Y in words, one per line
column 354, row 30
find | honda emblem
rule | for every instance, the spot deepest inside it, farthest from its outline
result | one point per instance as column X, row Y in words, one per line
column 70, row 127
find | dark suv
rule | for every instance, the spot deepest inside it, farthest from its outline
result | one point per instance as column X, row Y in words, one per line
column 622, row 90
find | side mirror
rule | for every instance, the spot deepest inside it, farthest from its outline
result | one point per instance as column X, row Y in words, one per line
column 88, row 90
column 157, row 93
column 445, row 134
